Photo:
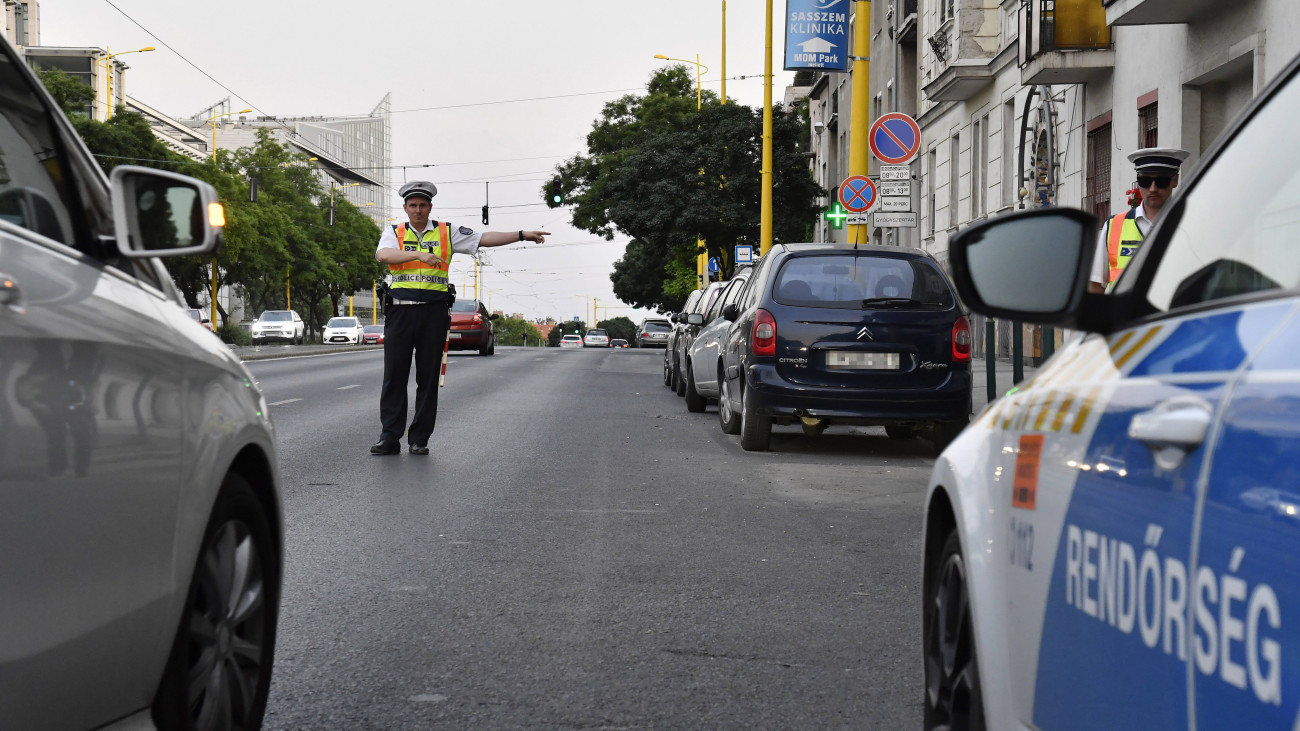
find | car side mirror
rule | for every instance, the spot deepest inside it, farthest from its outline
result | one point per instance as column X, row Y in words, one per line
column 731, row 312
column 1029, row 266
column 695, row 318
column 495, row 317
column 160, row 213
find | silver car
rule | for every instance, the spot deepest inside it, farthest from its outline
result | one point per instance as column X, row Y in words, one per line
column 140, row 520
column 704, row 353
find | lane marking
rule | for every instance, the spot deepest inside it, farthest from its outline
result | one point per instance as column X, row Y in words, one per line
column 344, row 388
column 286, row 401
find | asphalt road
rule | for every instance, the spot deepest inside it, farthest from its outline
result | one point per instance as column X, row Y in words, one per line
column 579, row 551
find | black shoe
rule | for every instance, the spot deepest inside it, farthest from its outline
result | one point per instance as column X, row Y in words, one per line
column 419, row 449
column 385, row 446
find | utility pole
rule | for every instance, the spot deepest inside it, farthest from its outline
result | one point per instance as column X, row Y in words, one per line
column 860, row 123
column 765, row 172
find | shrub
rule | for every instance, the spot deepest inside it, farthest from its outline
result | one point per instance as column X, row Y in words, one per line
column 234, row 334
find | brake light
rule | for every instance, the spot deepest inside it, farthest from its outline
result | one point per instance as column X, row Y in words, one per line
column 961, row 340
column 763, row 336
column 478, row 319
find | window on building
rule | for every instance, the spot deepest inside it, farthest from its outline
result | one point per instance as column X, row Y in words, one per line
column 1148, row 127
column 947, row 10
column 979, row 155
column 932, row 163
column 954, row 170
column 1098, row 173
column 1010, row 134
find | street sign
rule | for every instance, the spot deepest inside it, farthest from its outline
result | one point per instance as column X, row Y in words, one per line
column 835, row 215
column 817, row 35
column 713, row 265
column 744, row 254
column 895, row 220
column 860, row 219
column 895, row 172
column 896, row 203
column 858, row 194
column 894, row 138
column 888, row 189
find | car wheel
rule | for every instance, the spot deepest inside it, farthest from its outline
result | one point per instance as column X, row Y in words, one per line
column 728, row 417
column 219, row 672
column 483, row 349
column 944, row 432
column 953, row 698
column 668, row 378
column 901, row 431
column 755, row 428
column 694, row 401
column 679, row 381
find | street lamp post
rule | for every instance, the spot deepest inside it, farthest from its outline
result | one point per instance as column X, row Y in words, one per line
column 213, row 121
column 701, row 258
column 108, row 64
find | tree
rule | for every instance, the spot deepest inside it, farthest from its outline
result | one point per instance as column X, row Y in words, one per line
column 663, row 173
column 70, row 93
column 619, row 327
column 512, row 330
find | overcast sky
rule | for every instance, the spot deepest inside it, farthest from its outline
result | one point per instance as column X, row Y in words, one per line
column 515, row 87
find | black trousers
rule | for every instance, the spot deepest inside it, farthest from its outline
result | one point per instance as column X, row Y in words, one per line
column 419, row 330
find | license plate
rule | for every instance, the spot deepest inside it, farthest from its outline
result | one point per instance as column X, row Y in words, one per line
column 454, row 336
column 850, row 360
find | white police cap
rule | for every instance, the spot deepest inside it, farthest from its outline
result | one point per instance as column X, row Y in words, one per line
column 1158, row 159
column 422, row 188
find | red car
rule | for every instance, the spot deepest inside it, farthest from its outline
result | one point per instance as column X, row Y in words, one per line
column 471, row 328
column 372, row 335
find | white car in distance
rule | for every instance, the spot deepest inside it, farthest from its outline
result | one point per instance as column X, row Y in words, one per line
column 343, row 330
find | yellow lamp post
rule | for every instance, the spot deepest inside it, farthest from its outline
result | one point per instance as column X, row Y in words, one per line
column 108, row 64
column 701, row 258
column 213, row 121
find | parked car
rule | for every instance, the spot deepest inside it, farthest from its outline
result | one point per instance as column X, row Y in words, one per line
column 618, row 343
column 342, row 330
column 279, row 325
column 1131, row 514
column 372, row 335
column 198, row 316
column 653, row 333
column 702, row 344
column 827, row 335
column 678, row 322
column 472, row 328
column 141, row 529
column 571, row 341
column 595, row 338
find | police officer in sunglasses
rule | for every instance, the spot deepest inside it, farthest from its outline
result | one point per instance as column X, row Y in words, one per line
column 1157, row 176
column 418, row 253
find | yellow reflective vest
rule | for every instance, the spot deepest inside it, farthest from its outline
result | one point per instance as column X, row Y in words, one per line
column 416, row 275
column 1122, row 243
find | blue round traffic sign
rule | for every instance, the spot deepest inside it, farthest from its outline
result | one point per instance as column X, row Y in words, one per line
column 895, row 138
column 858, row 194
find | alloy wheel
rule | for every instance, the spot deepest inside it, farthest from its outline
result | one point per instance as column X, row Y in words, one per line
column 952, row 688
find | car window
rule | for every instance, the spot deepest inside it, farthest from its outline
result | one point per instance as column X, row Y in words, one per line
column 727, row 296
column 596, row 332
column 464, row 306
column 847, row 281
column 270, row 316
column 759, row 277
column 374, row 328
column 342, row 322
column 655, row 326
column 1237, row 229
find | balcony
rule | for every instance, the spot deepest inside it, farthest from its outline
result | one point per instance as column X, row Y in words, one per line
column 1064, row 42
column 963, row 51
column 1156, row 12
column 906, row 30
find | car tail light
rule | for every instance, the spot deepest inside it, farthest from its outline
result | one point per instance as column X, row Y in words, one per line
column 478, row 319
column 961, row 340
column 763, row 336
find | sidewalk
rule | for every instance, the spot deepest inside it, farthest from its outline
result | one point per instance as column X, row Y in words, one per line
column 979, row 379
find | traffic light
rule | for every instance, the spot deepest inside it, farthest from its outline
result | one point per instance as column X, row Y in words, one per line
column 554, row 194
column 485, row 215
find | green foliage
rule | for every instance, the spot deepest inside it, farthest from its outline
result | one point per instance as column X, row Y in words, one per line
column 619, row 327
column 70, row 93
column 234, row 334
column 664, row 173
column 512, row 330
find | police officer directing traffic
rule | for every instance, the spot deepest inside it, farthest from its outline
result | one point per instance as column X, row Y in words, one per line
column 1157, row 176
column 418, row 254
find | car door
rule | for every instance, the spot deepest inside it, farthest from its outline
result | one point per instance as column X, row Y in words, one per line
column 706, row 351
column 91, row 448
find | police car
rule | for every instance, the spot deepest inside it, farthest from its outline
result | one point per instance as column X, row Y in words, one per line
column 1117, row 543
